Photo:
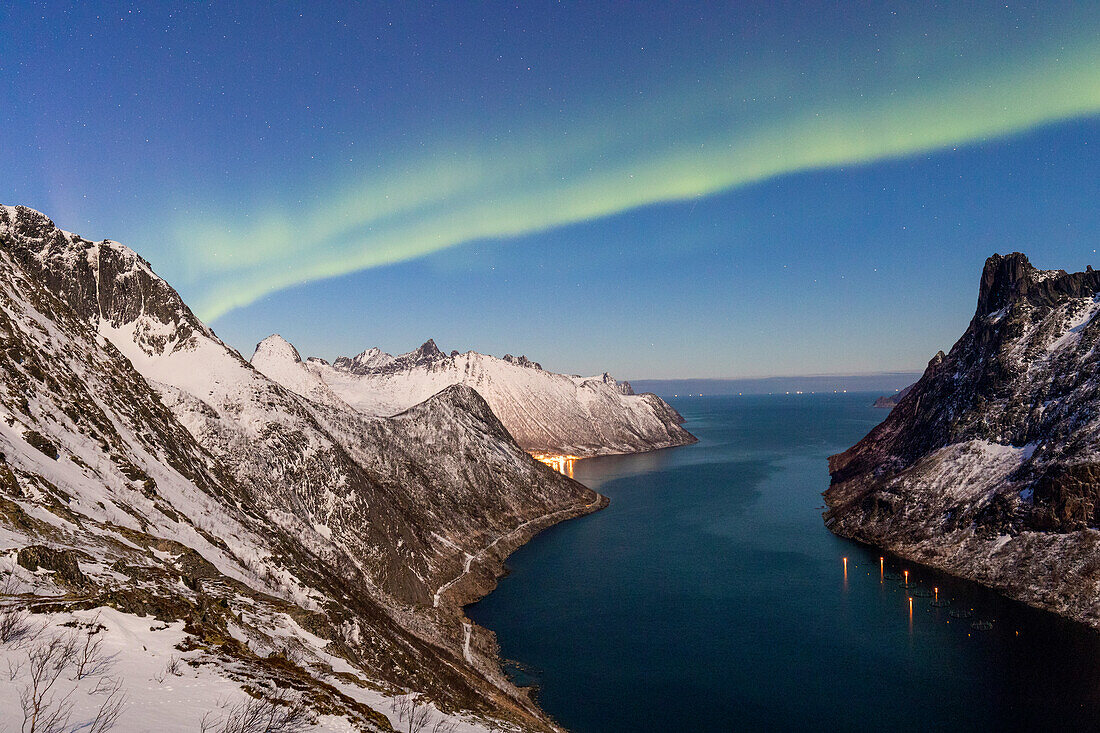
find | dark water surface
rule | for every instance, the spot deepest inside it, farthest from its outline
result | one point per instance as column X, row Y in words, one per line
column 710, row 597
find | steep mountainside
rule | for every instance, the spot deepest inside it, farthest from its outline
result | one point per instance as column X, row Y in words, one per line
column 145, row 466
column 544, row 412
column 990, row 466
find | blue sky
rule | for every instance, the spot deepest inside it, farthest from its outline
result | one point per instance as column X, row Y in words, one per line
column 680, row 190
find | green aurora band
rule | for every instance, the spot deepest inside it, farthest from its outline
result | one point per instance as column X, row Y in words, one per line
column 678, row 147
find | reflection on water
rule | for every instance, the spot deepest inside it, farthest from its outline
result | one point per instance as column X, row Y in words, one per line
column 704, row 598
column 594, row 472
column 560, row 463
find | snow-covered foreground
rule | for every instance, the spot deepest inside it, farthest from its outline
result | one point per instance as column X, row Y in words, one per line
column 101, row 669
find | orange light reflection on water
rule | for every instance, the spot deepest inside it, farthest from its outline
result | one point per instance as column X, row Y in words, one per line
column 561, row 463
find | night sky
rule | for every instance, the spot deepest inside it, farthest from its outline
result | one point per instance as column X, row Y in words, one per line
column 678, row 190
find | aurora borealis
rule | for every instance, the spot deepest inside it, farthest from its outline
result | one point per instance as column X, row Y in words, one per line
column 679, row 190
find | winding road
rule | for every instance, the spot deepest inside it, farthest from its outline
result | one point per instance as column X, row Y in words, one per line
column 470, row 558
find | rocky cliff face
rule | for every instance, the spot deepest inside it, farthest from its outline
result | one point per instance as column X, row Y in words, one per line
column 543, row 411
column 179, row 481
column 989, row 467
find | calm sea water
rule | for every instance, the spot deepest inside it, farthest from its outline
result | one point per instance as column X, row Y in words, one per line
column 710, row 597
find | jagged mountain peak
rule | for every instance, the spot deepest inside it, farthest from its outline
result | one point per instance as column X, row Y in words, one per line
column 106, row 283
column 1004, row 278
column 423, row 354
column 522, row 361
column 543, row 411
column 364, row 361
column 1009, row 279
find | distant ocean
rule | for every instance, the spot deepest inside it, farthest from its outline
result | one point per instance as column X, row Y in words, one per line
column 881, row 384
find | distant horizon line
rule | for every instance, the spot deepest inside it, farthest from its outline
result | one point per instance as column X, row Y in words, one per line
column 881, row 382
column 837, row 375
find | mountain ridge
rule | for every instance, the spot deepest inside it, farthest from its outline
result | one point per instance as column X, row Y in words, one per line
column 545, row 412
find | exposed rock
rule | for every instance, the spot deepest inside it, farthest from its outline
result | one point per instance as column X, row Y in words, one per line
column 62, row 563
column 43, row 444
column 522, row 361
column 990, row 466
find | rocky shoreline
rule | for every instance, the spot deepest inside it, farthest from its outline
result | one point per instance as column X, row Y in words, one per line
column 477, row 645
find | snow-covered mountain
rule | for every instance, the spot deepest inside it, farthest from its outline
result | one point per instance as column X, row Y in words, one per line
column 279, row 540
column 989, row 467
column 544, row 412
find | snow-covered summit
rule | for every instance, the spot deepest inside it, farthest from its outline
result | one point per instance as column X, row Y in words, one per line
column 278, row 347
column 368, row 360
column 544, row 411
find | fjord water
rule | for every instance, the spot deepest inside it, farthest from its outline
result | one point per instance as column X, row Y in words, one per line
column 709, row 597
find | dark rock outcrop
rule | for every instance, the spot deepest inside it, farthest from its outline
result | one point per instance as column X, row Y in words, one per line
column 63, row 563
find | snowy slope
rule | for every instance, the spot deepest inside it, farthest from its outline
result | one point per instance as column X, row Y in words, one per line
column 544, row 412
column 989, row 467
column 148, row 468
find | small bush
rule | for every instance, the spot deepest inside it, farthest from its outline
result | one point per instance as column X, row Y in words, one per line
column 281, row 712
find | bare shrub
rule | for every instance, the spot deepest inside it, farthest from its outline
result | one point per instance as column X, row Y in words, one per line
column 44, row 712
column 47, row 706
column 444, row 726
column 174, row 667
column 277, row 713
column 89, row 659
column 399, row 706
column 419, row 717
column 410, row 710
column 110, row 709
column 15, row 623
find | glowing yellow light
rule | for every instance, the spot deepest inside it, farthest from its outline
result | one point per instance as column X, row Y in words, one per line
column 560, row 463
